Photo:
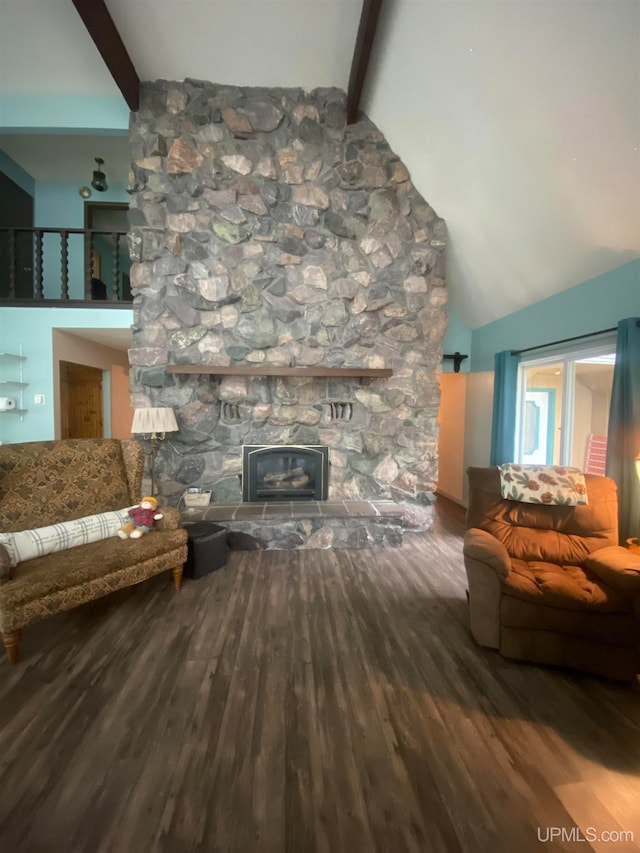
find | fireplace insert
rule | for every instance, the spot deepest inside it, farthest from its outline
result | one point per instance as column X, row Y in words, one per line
column 288, row 472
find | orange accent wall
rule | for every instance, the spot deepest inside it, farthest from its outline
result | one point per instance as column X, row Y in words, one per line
column 451, row 416
column 70, row 347
column 121, row 410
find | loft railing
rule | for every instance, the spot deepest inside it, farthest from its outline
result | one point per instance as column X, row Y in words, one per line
column 63, row 265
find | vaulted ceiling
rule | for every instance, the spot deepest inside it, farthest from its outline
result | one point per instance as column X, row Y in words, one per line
column 519, row 120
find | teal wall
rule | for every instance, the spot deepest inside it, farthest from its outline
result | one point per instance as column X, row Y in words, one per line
column 33, row 329
column 63, row 113
column 58, row 205
column 588, row 307
column 16, row 173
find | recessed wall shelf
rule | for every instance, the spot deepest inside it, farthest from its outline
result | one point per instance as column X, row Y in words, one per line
column 16, row 361
column 262, row 370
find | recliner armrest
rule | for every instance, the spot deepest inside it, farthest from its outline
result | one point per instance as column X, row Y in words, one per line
column 617, row 567
column 482, row 546
column 171, row 518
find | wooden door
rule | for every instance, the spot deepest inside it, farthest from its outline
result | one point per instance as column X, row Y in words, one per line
column 80, row 401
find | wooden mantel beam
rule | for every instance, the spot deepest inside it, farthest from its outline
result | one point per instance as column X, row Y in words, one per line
column 361, row 54
column 267, row 370
column 99, row 23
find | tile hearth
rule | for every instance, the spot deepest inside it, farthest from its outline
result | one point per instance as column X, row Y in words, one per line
column 290, row 525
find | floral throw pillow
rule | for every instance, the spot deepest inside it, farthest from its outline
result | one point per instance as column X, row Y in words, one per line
column 543, row 484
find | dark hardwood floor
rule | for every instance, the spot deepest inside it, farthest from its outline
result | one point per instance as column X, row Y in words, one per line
column 307, row 701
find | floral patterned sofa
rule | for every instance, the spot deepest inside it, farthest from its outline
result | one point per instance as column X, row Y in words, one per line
column 49, row 482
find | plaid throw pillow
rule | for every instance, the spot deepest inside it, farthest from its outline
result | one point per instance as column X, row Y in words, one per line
column 28, row 544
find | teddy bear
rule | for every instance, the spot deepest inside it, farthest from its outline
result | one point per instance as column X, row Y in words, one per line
column 141, row 518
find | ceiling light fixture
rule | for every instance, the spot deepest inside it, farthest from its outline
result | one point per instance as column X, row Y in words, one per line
column 84, row 192
column 99, row 182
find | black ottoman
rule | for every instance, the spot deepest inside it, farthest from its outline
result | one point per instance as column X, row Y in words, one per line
column 207, row 548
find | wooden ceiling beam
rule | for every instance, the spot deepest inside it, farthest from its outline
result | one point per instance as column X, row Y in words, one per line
column 361, row 54
column 99, row 23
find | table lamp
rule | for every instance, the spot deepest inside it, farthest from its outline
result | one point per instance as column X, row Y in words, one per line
column 152, row 425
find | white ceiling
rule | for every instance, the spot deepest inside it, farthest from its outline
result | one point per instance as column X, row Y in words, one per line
column 519, row 120
column 69, row 157
column 304, row 43
column 120, row 339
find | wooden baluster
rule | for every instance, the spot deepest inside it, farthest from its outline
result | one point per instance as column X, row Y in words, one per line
column 64, row 267
column 88, row 263
column 29, row 270
column 116, row 266
column 39, row 292
column 12, row 263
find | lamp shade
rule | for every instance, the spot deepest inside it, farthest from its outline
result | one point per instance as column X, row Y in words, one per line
column 638, row 466
column 150, row 421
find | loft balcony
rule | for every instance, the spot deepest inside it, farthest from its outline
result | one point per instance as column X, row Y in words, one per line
column 64, row 267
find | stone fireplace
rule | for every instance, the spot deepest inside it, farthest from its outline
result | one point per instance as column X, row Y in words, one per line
column 289, row 286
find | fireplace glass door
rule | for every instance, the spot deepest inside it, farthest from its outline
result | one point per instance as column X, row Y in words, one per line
column 285, row 473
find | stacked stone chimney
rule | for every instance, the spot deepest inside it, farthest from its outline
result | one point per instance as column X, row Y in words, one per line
column 267, row 233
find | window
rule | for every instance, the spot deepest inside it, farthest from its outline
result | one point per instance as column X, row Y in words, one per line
column 563, row 407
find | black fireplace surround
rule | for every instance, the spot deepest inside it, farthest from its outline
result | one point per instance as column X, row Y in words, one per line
column 287, row 472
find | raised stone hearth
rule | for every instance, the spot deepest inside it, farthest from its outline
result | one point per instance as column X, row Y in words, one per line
column 267, row 234
column 312, row 524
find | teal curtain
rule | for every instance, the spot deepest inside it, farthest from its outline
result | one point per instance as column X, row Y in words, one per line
column 623, row 443
column 505, row 392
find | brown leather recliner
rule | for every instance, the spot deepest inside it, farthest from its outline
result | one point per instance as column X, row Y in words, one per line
column 550, row 584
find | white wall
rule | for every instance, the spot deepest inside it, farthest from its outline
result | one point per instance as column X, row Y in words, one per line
column 519, row 124
column 466, row 404
column 582, row 426
column 477, row 422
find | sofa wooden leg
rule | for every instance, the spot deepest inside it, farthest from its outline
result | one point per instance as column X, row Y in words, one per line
column 177, row 576
column 11, row 640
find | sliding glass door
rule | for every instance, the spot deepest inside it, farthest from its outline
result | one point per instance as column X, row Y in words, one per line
column 563, row 408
